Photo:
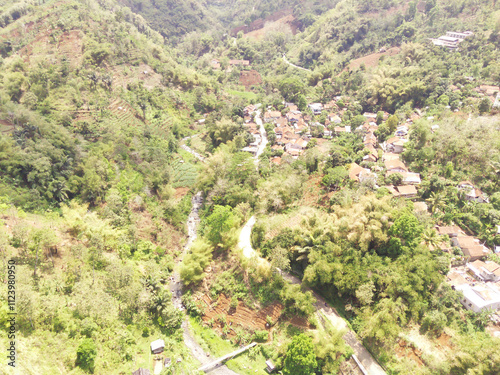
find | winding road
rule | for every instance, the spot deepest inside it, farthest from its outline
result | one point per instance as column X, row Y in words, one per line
column 362, row 355
column 366, row 362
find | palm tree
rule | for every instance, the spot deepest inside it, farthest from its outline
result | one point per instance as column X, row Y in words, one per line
column 436, row 202
column 431, row 238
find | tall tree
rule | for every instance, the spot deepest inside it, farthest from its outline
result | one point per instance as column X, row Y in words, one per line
column 300, row 358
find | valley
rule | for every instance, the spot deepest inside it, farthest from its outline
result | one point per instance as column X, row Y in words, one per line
column 312, row 186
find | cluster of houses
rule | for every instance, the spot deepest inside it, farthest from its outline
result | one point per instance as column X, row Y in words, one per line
column 391, row 151
column 478, row 279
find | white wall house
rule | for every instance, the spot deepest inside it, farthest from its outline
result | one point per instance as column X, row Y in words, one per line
column 479, row 297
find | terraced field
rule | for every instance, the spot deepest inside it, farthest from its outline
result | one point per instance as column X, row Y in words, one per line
column 124, row 113
column 183, row 174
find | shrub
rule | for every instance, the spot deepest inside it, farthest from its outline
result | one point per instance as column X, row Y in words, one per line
column 85, row 355
column 260, row 336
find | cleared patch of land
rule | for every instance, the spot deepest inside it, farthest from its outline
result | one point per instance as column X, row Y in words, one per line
column 372, row 60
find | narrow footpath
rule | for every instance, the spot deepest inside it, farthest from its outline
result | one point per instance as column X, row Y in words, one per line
column 295, row 66
column 323, row 310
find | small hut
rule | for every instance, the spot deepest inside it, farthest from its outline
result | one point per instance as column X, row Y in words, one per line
column 270, row 366
column 157, row 346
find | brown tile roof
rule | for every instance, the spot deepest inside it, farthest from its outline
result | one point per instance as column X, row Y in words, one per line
column 450, row 229
column 354, row 171
column 392, row 140
column 395, row 164
column 493, row 268
column 465, row 242
column 474, row 252
column 390, row 156
column 272, row 114
column 407, row 190
column 282, row 121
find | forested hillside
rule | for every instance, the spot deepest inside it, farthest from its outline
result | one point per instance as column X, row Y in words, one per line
column 320, row 178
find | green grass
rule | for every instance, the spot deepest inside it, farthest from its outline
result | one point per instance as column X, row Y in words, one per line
column 251, row 362
column 248, row 95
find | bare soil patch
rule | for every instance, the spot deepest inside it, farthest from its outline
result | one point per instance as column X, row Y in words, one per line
column 250, row 78
column 372, row 60
column 71, row 45
column 405, row 350
column 287, row 24
column 180, row 192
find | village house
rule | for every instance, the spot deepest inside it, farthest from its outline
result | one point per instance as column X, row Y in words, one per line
column 409, row 178
column 407, row 191
column 452, row 39
column 485, row 271
column 249, row 109
column 450, row 231
column 330, row 106
column 293, row 117
column 270, row 367
column 401, row 131
column 157, row 346
column 394, row 145
column 471, row 247
column 215, row 64
column 354, row 171
column 281, row 122
column 270, row 116
column 342, row 129
column 316, row 108
column 371, row 157
column 395, row 166
column 300, row 127
column 465, row 185
column 276, row 160
column 471, row 193
column 479, row 297
column 334, row 118
column 390, row 156
column 476, row 195
column 487, row 90
column 239, row 62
